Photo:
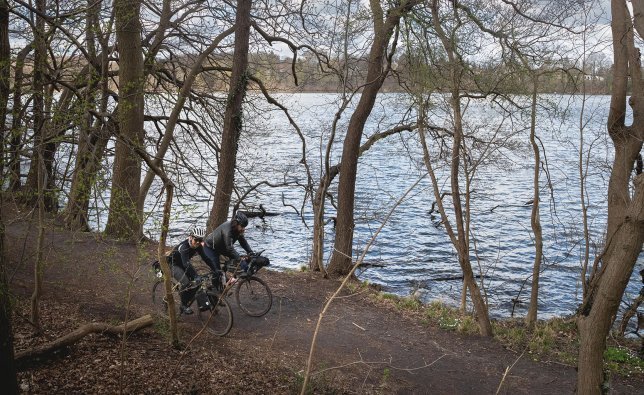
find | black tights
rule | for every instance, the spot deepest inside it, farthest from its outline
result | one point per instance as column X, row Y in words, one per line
column 184, row 277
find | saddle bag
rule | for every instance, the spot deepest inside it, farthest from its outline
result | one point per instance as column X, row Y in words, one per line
column 203, row 301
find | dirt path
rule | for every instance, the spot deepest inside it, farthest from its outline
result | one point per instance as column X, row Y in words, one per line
column 365, row 345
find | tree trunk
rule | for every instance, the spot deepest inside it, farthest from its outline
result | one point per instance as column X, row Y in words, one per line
column 8, row 371
column 165, row 267
column 38, row 83
column 37, row 163
column 17, row 129
column 460, row 238
column 52, row 130
column 596, row 320
column 44, row 132
column 376, row 73
column 125, row 219
column 40, row 246
column 5, row 68
column 93, row 139
column 91, row 150
column 535, row 221
column 232, row 117
column 625, row 224
column 317, row 254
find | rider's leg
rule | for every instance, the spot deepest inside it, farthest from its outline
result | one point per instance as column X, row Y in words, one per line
column 186, row 294
column 214, row 257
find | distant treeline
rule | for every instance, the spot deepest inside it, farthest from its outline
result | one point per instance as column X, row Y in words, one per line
column 277, row 73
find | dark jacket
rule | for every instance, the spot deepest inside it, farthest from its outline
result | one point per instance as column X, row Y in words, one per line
column 222, row 239
column 182, row 253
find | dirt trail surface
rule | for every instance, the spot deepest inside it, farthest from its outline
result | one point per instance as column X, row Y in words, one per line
column 365, row 345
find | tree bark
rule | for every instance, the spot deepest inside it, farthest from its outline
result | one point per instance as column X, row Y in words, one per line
column 93, row 138
column 625, row 224
column 535, row 222
column 38, row 83
column 88, row 162
column 376, row 73
column 318, row 201
column 5, row 68
column 37, row 162
column 232, row 117
column 8, row 371
column 317, row 253
column 125, row 218
column 15, row 142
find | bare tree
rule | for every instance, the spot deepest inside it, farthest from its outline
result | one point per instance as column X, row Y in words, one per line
column 625, row 226
column 39, row 162
column 39, row 91
column 232, row 117
column 385, row 24
column 124, row 217
column 5, row 75
column 94, row 134
column 17, row 115
column 184, row 93
column 8, row 374
column 50, row 123
column 535, row 219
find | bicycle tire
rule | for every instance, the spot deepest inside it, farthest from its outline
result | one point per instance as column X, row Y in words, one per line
column 159, row 298
column 219, row 319
column 253, row 296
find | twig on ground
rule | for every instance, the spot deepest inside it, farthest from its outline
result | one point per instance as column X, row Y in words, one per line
column 507, row 370
column 344, row 282
column 371, row 363
column 279, row 317
column 358, row 326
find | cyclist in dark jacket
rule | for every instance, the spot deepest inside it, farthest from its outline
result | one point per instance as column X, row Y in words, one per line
column 221, row 240
column 182, row 270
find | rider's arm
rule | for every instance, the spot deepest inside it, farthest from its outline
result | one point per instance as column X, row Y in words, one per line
column 244, row 244
column 230, row 250
column 211, row 264
column 184, row 252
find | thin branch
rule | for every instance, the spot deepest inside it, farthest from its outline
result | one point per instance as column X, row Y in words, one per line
column 346, row 279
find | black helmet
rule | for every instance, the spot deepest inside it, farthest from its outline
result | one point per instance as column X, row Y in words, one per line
column 241, row 219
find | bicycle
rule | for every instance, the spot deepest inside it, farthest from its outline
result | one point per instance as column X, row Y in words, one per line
column 252, row 294
column 213, row 310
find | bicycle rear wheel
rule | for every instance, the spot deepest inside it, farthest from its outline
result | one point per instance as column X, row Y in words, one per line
column 219, row 319
column 160, row 300
column 253, row 296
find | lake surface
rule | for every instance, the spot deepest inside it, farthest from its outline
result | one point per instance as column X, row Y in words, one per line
column 413, row 247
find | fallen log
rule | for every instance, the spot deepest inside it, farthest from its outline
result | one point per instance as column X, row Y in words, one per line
column 95, row 327
column 261, row 213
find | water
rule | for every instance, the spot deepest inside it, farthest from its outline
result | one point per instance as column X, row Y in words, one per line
column 413, row 247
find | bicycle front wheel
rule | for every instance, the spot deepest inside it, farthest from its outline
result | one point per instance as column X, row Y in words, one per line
column 219, row 319
column 160, row 300
column 253, row 296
